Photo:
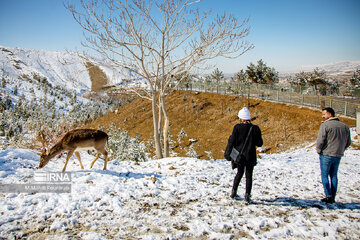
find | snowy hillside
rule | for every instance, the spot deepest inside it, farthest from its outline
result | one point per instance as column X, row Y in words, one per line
column 60, row 69
column 66, row 70
column 41, row 89
column 180, row 198
column 334, row 68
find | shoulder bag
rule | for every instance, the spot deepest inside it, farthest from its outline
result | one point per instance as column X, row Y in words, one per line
column 236, row 156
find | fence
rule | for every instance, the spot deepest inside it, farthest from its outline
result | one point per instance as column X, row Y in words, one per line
column 347, row 107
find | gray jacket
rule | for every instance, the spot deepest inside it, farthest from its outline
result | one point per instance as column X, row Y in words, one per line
column 333, row 138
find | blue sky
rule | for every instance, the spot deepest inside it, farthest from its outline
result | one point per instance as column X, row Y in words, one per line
column 287, row 34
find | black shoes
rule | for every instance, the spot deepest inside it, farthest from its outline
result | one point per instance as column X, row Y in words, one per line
column 328, row 200
column 234, row 195
column 248, row 199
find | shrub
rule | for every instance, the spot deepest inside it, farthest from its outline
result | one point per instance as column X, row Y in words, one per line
column 124, row 148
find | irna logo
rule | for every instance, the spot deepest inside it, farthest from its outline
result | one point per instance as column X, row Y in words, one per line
column 52, row 177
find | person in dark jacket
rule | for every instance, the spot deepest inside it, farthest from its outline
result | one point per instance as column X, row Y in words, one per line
column 333, row 138
column 237, row 140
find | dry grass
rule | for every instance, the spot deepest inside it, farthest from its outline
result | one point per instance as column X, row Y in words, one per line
column 356, row 143
column 209, row 118
column 97, row 76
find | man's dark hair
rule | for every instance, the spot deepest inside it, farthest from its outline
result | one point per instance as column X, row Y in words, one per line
column 329, row 110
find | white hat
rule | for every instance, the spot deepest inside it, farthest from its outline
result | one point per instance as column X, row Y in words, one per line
column 244, row 114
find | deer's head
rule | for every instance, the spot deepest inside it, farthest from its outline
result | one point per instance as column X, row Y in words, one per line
column 44, row 158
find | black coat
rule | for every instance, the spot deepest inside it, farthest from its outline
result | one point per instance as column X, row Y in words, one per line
column 237, row 140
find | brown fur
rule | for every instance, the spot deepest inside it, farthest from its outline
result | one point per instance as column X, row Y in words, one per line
column 78, row 139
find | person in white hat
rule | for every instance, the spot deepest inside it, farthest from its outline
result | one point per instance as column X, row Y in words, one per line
column 246, row 137
column 244, row 114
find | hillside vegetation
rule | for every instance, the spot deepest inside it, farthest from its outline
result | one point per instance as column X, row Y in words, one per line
column 208, row 121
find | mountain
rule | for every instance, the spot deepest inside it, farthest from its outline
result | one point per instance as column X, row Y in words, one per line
column 41, row 89
column 334, row 68
column 66, row 70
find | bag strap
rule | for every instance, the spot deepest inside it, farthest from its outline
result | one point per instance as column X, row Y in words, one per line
column 247, row 137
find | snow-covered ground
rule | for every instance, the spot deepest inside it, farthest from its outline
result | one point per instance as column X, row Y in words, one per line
column 180, row 198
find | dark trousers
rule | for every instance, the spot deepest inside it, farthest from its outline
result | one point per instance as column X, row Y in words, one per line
column 248, row 174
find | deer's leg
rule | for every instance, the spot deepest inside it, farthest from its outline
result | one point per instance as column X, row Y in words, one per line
column 77, row 154
column 106, row 159
column 70, row 153
column 97, row 156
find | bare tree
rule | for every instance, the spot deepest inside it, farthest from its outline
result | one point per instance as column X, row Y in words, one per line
column 159, row 39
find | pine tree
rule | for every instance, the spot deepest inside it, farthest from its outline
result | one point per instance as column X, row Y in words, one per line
column 301, row 79
column 9, row 133
column 7, row 102
column 2, row 124
column 181, row 135
column 261, row 73
column 124, row 148
column 317, row 78
column 355, row 78
column 74, row 98
column 3, row 82
column 15, row 90
column 242, row 78
column 217, row 75
column 192, row 152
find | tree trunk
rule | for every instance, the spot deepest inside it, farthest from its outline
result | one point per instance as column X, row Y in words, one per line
column 156, row 129
column 160, row 116
column 166, row 127
column 248, row 97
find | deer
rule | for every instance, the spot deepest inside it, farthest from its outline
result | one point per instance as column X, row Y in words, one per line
column 75, row 141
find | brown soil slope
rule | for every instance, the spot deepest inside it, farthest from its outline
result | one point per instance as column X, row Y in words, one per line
column 209, row 119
